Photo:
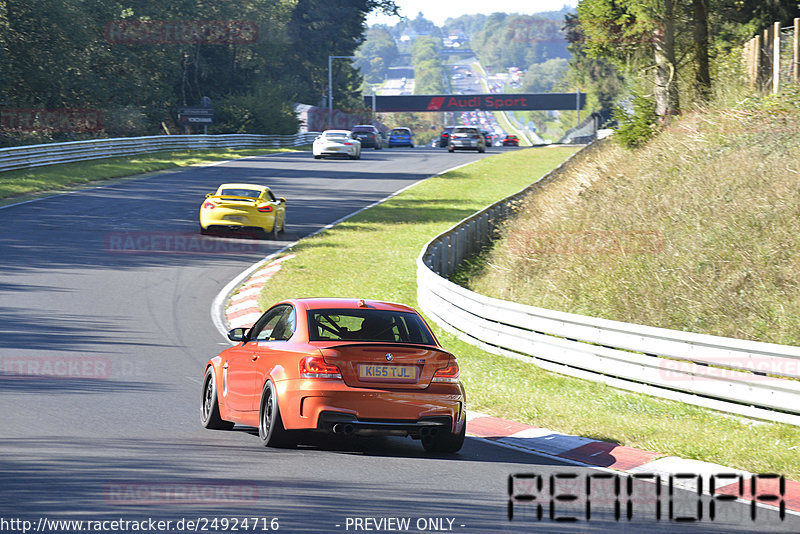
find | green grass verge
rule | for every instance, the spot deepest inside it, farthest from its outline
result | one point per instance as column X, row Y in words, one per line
column 372, row 255
column 64, row 175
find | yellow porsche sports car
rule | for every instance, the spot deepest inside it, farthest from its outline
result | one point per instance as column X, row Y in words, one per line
column 243, row 207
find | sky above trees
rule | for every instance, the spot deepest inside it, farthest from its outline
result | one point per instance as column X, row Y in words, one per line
column 438, row 12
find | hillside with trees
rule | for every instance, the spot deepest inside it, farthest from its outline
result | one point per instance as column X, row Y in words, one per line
column 519, row 41
column 59, row 54
column 668, row 55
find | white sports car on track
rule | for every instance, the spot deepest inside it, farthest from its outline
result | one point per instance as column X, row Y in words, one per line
column 336, row 143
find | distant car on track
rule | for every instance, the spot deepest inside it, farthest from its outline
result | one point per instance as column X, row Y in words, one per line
column 511, row 140
column 368, row 135
column 243, row 207
column 488, row 137
column 444, row 137
column 466, row 138
column 341, row 366
column 336, row 143
column 401, row 137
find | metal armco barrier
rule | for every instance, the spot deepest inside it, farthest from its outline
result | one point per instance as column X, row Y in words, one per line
column 48, row 154
column 735, row 376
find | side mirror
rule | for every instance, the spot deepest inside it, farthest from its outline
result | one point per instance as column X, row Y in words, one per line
column 238, row 334
column 282, row 200
column 209, row 195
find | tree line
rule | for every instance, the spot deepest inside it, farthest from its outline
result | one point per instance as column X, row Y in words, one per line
column 138, row 61
column 671, row 54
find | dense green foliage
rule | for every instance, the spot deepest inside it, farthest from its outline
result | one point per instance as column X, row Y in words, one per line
column 59, row 54
column 682, row 52
column 518, row 41
column 636, row 128
column 377, row 53
column 429, row 72
column 546, row 76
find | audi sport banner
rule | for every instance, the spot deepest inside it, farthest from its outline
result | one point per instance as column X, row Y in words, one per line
column 486, row 102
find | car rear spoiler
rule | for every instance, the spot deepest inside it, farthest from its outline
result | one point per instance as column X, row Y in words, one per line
column 233, row 197
column 388, row 344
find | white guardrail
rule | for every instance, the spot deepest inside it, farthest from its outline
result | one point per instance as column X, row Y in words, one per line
column 22, row 157
column 749, row 378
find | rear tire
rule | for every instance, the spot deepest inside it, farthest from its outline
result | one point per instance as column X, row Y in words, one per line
column 317, row 157
column 446, row 442
column 270, row 425
column 209, row 411
column 451, row 149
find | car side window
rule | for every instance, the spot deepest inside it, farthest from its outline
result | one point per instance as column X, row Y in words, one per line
column 271, row 196
column 286, row 325
column 263, row 329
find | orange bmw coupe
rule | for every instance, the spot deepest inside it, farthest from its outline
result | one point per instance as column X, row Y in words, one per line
column 341, row 366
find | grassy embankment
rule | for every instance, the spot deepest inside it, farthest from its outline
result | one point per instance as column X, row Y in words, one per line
column 698, row 231
column 380, row 246
column 14, row 184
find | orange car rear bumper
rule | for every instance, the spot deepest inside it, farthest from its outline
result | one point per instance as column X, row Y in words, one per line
column 302, row 402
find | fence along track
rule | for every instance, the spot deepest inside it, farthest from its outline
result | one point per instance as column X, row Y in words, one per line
column 735, row 376
column 48, row 154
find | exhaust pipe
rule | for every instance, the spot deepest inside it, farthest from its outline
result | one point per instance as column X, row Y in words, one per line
column 428, row 432
column 346, row 429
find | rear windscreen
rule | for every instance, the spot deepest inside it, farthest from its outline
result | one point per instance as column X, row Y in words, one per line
column 252, row 193
column 367, row 325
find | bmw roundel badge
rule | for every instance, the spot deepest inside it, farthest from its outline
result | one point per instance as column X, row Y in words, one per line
column 389, row 357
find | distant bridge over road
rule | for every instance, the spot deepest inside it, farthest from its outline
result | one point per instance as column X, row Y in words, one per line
column 485, row 102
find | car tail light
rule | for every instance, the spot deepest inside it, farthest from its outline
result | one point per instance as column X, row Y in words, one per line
column 446, row 374
column 265, row 208
column 315, row 367
column 347, row 143
column 209, row 205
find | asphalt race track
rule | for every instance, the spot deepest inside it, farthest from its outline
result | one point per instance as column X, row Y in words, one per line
column 105, row 327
